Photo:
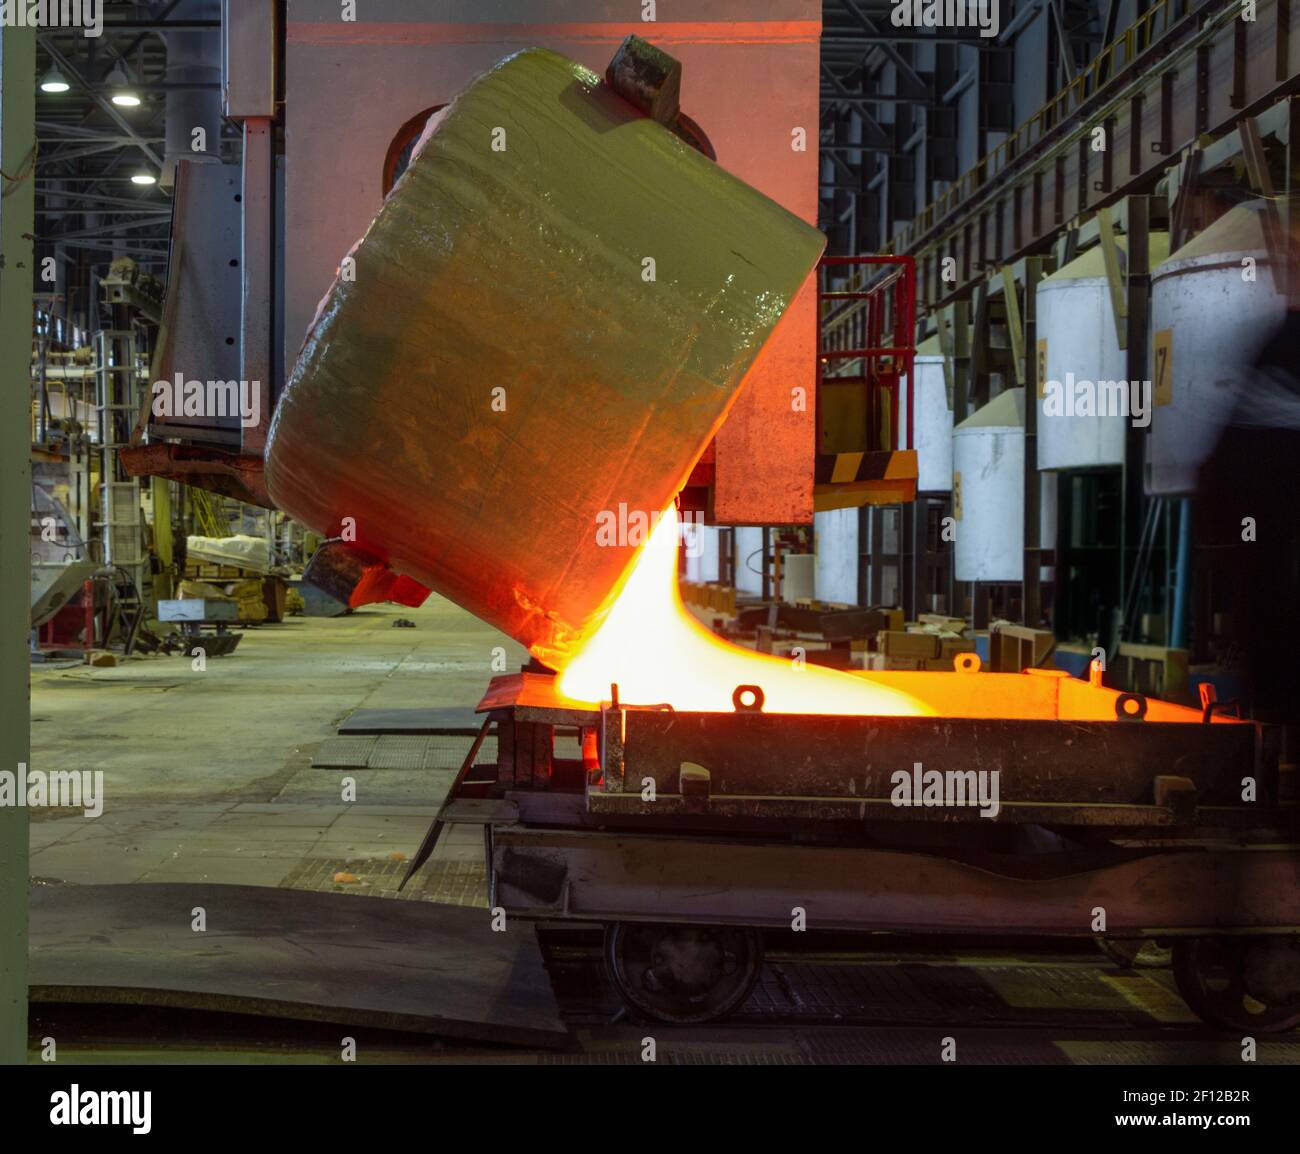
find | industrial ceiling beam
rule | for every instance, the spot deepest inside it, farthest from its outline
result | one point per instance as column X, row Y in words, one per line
column 837, row 84
column 877, row 140
column 908, row 80
column 161, row 18
column 128, row 245
column 59, row 180
column 90, row 137
column 1108, row 26
column 71, row 71
column 92, row 202
column 57, row 130
column 103, row 230
column 1066, row 57
column 62, row 156
column 875, row 137
column 964, row 81
column 1018, row 198
column 82, row 210
column 159, row 25
column 838, row 161
column 968, row 38
column 831, row 97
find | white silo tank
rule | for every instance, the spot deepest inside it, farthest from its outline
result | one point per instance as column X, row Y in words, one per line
column 835, row 541
column 1208, row 323
column 701, row 544
column 798, row 577
column 749, row 560
column 1079, row 350
column 711, row 551
column 988, row 463
column 932, row 430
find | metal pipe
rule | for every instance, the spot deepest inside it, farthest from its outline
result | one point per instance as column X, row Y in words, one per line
column 906, row 315
column 1182, row 576
column 193, row 58
column 88, row 621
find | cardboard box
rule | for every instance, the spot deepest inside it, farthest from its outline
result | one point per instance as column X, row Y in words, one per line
column 947, row 624
column 1152, row 670
column 938, row 665
column 832, row 658
column 1016, row 647
column 949, row 647
column 903, row 662
column 841, row 625
column 916, row 646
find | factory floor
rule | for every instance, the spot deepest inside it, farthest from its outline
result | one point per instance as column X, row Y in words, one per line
column 208, row 778
column 207, row 774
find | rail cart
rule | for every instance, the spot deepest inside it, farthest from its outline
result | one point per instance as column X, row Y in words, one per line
column 686, row 834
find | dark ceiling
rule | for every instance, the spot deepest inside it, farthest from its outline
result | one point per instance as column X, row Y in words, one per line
column 89, row 148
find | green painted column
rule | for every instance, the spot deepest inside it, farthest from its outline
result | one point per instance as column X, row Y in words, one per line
column 163, row 543
column 17, row 161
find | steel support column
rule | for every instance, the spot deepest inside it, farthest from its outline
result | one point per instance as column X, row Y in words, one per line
column 1137, row 293
column 18, row 162
column 257, row 308
column 1033, row 592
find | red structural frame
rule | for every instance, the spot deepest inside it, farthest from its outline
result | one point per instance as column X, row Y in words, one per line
column 902, row 279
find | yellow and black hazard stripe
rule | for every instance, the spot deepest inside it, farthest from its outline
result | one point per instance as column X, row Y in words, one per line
column 846, row 480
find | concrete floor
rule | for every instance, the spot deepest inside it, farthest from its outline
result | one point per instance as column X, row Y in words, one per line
column 207, row 774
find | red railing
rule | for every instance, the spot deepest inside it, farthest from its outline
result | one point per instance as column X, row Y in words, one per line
column 876, row 306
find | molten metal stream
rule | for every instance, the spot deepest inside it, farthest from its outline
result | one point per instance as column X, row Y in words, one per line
column 656, row 652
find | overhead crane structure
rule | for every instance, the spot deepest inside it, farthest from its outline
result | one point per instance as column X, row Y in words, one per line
column 1147, row 106
column 1189, row 98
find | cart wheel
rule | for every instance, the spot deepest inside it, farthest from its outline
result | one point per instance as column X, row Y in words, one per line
column 683, row 973
column 1136, row 953
column 1246, row 983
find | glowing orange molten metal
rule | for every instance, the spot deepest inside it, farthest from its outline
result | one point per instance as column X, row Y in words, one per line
column 656, row 652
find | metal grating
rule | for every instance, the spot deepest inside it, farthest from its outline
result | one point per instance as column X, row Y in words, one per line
column 344, row 753
column 858, row 1047
column 454, row 883
column 401, row 751
column 1179, row 1052
column 669, row 1054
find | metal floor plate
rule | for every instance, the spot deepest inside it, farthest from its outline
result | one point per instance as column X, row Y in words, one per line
column 457, row 883
column 282, row 953
column 400, row 751
column 461, row 720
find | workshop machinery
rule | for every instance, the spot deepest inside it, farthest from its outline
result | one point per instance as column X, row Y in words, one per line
column 686, row 834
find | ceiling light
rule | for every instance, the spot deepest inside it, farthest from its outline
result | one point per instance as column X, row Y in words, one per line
column 122, row 94
column 53, row 80
column 144, row 178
